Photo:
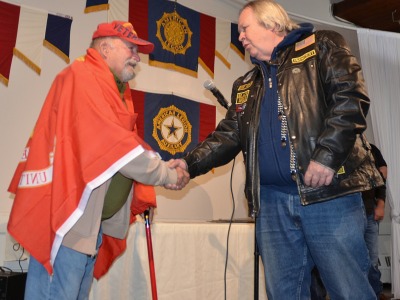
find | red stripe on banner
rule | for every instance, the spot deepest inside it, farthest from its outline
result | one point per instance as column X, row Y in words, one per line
column 9, row 19
column 138, row 16
column 207, row 120
column 138, row 98
column 207, row 42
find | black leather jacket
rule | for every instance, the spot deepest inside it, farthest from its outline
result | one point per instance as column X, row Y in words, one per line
column 325, row 101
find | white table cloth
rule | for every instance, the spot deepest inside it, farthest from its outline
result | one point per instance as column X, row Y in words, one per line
column 189, row 261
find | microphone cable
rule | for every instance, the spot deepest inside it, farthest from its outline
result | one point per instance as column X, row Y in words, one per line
column 209, row 85
column 17, row 247
column 229, row 228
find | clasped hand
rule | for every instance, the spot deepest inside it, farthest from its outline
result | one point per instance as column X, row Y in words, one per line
column 183, row 176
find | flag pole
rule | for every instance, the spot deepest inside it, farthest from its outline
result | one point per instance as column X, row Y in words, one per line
column 150, row 254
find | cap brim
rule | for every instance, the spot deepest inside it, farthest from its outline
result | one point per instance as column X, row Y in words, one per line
column 144, row 46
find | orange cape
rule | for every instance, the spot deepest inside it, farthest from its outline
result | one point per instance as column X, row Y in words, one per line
column 84, row 134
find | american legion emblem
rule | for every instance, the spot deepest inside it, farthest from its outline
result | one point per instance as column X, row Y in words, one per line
column 172, row 130
column 174, row 33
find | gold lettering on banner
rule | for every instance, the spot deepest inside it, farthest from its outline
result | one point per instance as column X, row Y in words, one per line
column 172, row 130
column 174, row 33
column 305, row 56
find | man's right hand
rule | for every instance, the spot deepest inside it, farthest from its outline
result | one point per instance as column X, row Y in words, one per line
column 183, row 176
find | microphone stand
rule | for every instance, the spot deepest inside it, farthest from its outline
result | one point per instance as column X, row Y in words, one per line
column 256, row 262
column 256, row 251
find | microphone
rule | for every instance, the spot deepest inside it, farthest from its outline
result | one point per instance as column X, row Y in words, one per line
column 210, row 85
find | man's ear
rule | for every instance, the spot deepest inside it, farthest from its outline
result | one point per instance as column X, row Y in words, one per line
column 104, row 48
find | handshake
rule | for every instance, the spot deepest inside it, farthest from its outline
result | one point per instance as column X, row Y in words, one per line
column 183, row 176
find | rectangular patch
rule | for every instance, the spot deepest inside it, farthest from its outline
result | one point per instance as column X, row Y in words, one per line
column 242, row 97
column 305, row 43
column 305, row 56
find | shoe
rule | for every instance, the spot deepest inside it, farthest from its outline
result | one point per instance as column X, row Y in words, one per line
column 383, row 297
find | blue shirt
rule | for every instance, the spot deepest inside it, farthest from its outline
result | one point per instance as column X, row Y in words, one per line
column 274, row 159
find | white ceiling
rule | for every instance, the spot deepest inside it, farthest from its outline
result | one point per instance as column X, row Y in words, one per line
column 312, row 10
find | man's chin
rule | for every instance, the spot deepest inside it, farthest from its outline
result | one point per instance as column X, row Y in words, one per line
column 128, row 74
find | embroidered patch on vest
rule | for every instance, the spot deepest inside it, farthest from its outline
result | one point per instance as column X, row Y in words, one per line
column 305, row 56
column 242, row 97
column 341, row 171
column 305, row 43
column 245, row 86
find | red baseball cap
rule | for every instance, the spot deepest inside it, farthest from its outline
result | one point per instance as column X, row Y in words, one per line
column 125, row 31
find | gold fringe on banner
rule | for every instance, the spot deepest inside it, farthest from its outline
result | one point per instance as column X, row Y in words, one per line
column 223, row 59
column 27, row 61
column 171, row 66
column 237, row 51
column 95, row 8
column 206, row 68
column 3, row 80
column 57, row 51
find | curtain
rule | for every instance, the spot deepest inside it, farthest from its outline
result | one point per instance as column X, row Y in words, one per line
column 380, row 58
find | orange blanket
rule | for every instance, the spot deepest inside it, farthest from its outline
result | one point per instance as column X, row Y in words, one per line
column 84, row 134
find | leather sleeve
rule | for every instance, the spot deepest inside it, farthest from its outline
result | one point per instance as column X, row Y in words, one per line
column 219, row 148
column 346, row 100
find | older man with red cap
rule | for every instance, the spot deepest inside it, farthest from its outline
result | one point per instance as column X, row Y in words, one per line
column 85, row 173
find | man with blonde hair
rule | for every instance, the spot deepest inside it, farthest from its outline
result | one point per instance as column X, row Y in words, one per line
column 298, row 117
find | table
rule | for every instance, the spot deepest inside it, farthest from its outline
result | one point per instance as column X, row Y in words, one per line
column 189, row 263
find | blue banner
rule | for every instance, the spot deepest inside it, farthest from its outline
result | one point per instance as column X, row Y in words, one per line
column 175, row 31
column 172, row 125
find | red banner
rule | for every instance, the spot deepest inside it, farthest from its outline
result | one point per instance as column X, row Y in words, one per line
column 9, row 19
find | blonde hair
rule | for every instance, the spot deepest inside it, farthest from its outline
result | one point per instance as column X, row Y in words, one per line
column 271, row 15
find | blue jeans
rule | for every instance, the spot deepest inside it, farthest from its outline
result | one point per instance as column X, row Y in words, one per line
column 330, row 235
column 71, row 280
column 371, row 238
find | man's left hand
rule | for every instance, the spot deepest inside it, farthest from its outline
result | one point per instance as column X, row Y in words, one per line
column 318, row 175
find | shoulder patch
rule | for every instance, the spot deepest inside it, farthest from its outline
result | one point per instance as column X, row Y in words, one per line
column 300, row 59
column 305, row 43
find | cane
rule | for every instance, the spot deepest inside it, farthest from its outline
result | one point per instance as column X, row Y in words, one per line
column 150, row 253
